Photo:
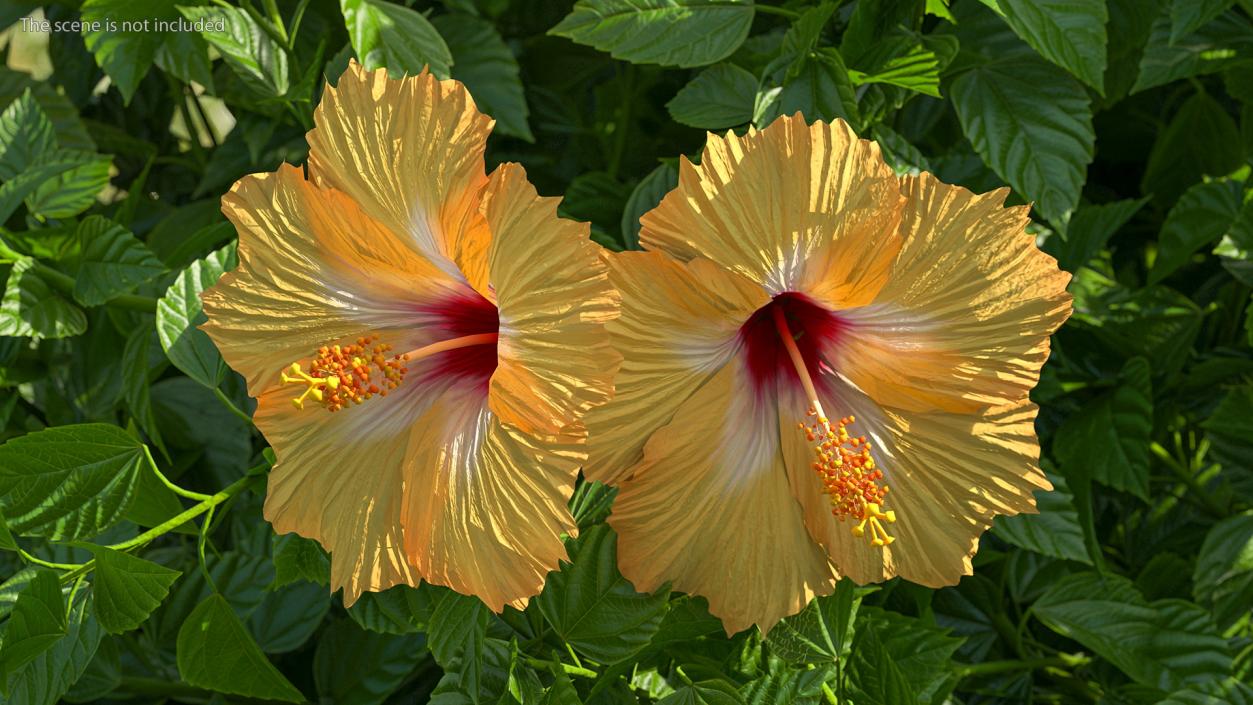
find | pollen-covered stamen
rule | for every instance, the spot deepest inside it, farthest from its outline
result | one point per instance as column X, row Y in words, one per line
column 842, row 462
column 340, row 375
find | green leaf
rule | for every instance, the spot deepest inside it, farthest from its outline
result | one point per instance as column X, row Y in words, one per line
column 124, row 37
column 681, row 33
column 1197, row 143
column 127, row 588
column 354, row 667
column 1109, row 437
column 1236, row 246
column 598, row 197
column 216, row 652
column 916, row 68
column 73, row 191
column 1032, row 125
column 1229, row 430
column 903, row 157
column 397, row 610
column 180, row 313
column 719, row 97
column 645, row 197
column 185, row 56
column 592, row 607
column 113, row 261
column 256, row 58
column 1187, row 16
column 31, row 308
column 479, row 681
column 299, row 558
column 710, row 692
column 823, row 631
column 396, row 38
column 1069, row 33
column 142, row 359
column 1055, row 531
column 921, row 651
column 68, row 482
column 7, row 542
column 49, row 676
column 14, row 191
column 1088, row 231
column 35, row 624
column 787, row 687
column 69, row 128
column 876, row 678
column 26, row 134
column 288, row 616
column 817, row 85
column 483, row 62
column 1165, row 644
column 1202, row 215
column 1223, row 577
column 457, row 636
column 1212, row 48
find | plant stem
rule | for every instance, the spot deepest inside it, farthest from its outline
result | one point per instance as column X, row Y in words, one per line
column 1188, row 479
column 570, row 670
column 993, row 667
column 176, row 521
column 231, row 405
column 47, row 564
column 166, row 481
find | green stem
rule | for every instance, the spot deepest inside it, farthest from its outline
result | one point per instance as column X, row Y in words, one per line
column 830, row 695
column 1186, row 476
column 993, row 667
column 570, row 670
column 166, row 481
column 65, row 284
column 47, row 564
column 176, row 521
column 231, row 405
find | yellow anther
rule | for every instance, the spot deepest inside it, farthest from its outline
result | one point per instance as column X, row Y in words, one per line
column 876, row 517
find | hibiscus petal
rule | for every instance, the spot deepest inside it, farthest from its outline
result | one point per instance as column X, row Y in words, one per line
column 313, row 269
column 964, row 320
column 410, row 151
column 949, row 474
column 554, row 359
column 679, row 324
column 710, row 509
column 339, row 480
column 794, row 207
column 485, row 504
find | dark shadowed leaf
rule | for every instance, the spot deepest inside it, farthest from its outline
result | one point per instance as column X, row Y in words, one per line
column 670, row 32
column 719, row 97
column 483, row 62
column 216, row 652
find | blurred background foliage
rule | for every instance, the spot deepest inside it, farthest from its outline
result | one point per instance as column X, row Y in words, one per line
column 134, row 563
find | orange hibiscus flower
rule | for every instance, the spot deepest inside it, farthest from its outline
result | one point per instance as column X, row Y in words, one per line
column 422, row 341
column 825, row 372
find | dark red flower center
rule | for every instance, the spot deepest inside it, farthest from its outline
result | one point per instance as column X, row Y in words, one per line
column 466, row 314
column 814, row 329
